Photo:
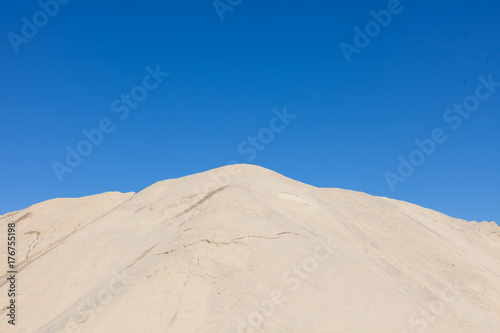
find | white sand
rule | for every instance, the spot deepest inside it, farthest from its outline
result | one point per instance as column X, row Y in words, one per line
column 250, row 252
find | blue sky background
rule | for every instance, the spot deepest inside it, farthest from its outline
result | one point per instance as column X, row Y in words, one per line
column 353, row 120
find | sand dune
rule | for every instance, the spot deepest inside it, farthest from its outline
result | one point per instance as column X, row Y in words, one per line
column 244, row 249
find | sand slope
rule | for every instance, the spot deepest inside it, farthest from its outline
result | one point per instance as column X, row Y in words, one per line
column 244, row 249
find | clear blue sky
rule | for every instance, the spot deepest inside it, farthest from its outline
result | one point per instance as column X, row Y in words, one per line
column 353, row 120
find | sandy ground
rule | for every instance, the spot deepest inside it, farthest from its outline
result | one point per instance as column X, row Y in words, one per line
column 244, row 249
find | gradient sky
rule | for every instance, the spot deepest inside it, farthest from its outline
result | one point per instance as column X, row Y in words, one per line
column 353, row 120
